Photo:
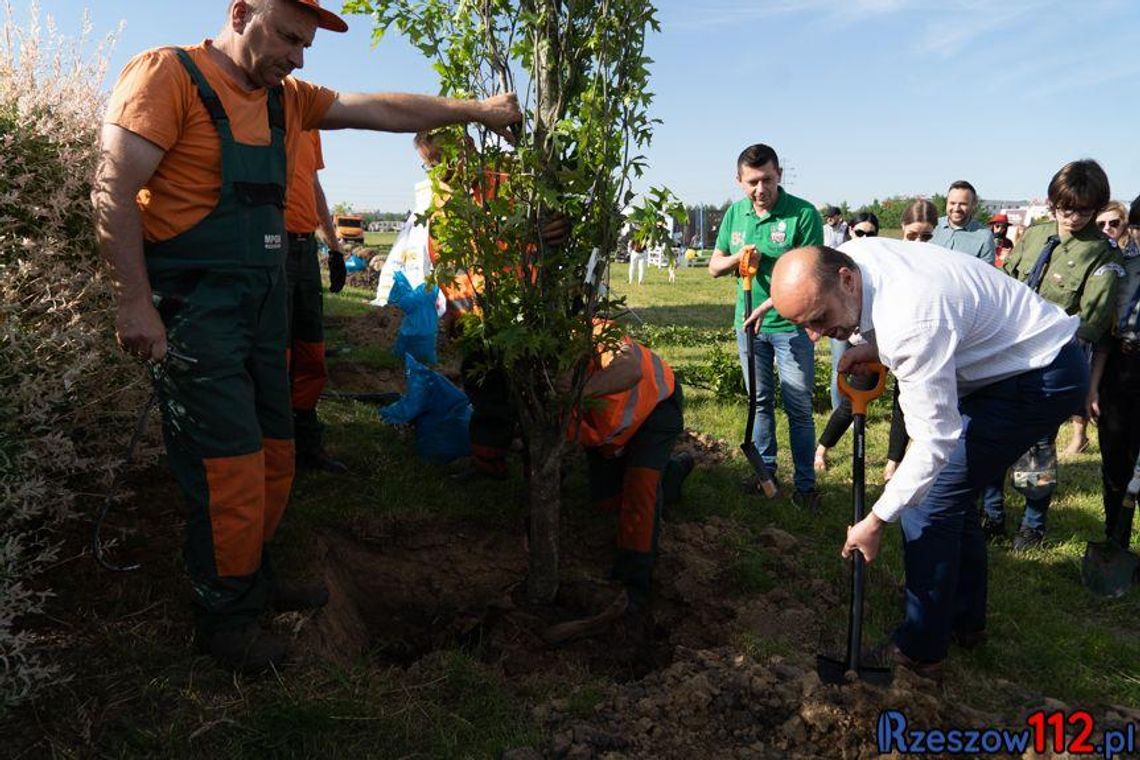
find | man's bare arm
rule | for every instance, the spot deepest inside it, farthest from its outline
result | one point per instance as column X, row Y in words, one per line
column 621, row 373
column 126, row 162
column 407, row 112
column 327, row 228
column 723, row 263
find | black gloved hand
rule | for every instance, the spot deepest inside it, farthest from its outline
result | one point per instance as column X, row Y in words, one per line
column 337, row 271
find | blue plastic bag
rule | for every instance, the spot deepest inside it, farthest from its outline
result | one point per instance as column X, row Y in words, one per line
column 440, row 412
column 417, row 334
column 354, row 264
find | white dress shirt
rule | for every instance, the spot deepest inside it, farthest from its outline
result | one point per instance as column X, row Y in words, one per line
column 946, row 325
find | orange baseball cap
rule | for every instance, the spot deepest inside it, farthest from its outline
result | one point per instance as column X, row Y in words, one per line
column 326, row 19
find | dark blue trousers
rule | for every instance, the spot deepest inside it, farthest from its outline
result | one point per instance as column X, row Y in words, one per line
column 944, row 549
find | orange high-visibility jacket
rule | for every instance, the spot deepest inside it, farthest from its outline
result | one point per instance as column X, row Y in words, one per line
column 610, row 421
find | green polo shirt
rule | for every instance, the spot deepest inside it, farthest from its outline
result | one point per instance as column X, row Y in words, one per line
column 792, row 223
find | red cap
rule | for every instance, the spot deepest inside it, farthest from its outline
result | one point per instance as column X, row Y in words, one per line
column 326, row 19
column 999, row 219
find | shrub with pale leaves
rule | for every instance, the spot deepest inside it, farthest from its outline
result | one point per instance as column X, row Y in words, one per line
column 66, row 394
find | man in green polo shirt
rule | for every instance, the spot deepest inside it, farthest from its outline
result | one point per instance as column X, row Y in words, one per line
column 774, row 222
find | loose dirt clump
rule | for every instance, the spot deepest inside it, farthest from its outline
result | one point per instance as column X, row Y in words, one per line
column 349, row 377
column 720, row 703
column 378, row 327
column 707, row 450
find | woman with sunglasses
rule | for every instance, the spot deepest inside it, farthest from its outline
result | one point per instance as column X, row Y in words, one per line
column 1113, row 222
column 1068, row 262
column 918, row 222
column 1114, row 390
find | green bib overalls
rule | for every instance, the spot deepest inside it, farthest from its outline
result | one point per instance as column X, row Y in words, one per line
column 227, row 420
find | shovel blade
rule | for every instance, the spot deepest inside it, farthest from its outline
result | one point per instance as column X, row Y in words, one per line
column 1108, row 570
column 752, row 454
column 835, row 672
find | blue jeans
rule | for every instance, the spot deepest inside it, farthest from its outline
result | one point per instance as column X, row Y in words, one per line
column 993, row 500
column 838, row 348
column 943, row 546
column 793, row 354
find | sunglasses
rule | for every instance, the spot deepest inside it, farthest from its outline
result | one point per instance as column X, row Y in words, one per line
column 864, row 233
column 923, row 236
column 1110, row 223
column 1071, row 213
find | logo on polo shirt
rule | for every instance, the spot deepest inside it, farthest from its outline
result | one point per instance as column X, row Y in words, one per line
column 272, row 242
column 738, row 238
column 779, row 234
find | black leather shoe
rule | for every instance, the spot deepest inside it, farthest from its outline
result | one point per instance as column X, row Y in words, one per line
column 295, row 596
column 321, row 461
column 888, row 654
column 248, row 649
column 680, row 467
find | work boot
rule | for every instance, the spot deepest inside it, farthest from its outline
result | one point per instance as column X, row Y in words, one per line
column 993, row 530
column 1028, row 538
column 679, row 467
column 296, row 596
column 247, row 649
column 321, row 461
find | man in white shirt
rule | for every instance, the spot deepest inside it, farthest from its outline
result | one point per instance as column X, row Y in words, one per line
column 965, row 343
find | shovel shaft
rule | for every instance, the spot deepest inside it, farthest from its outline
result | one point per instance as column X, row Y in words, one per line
column 858, row 494
column 751, row 354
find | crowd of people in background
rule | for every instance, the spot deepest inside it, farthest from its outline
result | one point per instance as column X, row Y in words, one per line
column 989, row 337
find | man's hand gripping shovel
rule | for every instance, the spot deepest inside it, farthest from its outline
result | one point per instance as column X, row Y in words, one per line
column 831, row 670
column 748, row 267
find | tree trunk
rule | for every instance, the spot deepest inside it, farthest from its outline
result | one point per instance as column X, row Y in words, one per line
column 544, row 499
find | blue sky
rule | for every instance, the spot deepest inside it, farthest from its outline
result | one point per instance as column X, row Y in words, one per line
column 861, row 98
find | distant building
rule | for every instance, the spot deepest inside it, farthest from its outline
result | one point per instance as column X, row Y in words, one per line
column 992, row 207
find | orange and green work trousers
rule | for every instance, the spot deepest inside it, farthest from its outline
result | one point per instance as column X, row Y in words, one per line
column 307, row 370
column 224, row 392
column 630, row 484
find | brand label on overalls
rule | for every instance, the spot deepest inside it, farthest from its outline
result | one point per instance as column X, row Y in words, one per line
column 272, row 242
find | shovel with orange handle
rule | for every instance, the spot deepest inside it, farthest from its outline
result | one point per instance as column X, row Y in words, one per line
column 748, row 267
column 866, row 388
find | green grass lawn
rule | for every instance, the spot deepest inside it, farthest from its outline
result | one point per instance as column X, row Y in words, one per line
column 379, row 239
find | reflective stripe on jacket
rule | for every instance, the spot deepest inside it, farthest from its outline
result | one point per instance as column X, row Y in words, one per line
column 610, row 421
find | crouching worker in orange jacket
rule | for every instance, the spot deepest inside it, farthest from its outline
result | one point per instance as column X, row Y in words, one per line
column 631, row 414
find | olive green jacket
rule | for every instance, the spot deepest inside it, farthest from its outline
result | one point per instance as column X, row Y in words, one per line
column 1081, row 277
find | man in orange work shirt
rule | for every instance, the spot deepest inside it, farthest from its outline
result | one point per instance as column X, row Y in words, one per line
column 306, row 210
column 189, row 198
